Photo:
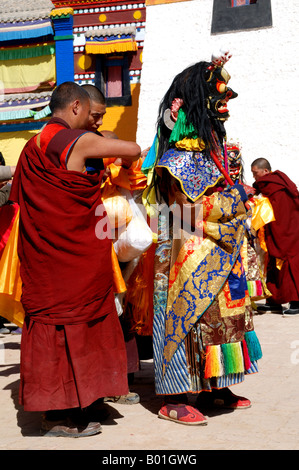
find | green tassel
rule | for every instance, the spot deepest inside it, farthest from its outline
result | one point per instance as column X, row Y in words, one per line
column 253, row 345
column 182, row 129
column 232, row 358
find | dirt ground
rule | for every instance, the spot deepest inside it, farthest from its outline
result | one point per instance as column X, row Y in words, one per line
column 272, row 423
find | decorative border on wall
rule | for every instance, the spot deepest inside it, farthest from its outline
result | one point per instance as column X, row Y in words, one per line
column 226, row 18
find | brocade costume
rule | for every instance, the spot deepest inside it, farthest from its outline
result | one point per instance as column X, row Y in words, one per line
column 203, row 332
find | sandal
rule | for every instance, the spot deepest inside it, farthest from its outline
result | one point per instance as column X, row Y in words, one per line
column 183, row 414
column 130, row 399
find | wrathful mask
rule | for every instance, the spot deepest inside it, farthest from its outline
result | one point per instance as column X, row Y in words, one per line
column 219, row 93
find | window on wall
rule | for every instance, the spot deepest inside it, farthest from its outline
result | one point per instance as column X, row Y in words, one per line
column 240, row 3
column 113, row 80
column 238, row 15
column 112, row 77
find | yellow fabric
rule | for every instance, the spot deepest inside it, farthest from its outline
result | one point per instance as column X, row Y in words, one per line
column 10, row 281
column 118, row 280
column 262, row 213
column 149, row 196
column 61, row 12
column 119, row 45
column 12, row 144
column 139, row 297
column 244, row 254
column 191, row 145
column 27, row 74
column 118, row 176
column 279, row 263
column 262, row 240
column 129, row 178
column 200, row 249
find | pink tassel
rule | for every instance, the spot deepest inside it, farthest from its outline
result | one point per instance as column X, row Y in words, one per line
column 259, row 288
column 247, row 362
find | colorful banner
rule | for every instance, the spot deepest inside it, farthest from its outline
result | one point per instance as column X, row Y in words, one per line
column 28, row 74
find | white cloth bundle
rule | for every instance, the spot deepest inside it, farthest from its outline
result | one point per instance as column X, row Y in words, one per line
column 137, row 238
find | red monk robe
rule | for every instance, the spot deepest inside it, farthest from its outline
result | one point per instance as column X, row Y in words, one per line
column 72, row 349
column 281, row 236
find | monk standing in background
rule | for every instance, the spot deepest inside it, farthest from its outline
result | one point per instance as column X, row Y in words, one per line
column 281, row 238
column 72, row 350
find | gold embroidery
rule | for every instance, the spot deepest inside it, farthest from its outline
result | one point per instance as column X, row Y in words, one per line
column 188, row 268
column 236, row 308
column 202, row 275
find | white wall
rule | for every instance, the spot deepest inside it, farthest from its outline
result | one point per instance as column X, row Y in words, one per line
column 263, row 67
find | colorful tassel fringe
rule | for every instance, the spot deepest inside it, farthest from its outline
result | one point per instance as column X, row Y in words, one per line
column 214, row 362
column 232, row 358
column 247, row 361
column 253, row 344
column 255, row 288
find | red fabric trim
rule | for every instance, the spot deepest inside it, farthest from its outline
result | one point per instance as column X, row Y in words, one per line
column 47, row 135
column 56, row 140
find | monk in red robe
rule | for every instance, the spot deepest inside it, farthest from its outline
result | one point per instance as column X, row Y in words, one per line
column 281, row 237
column 72, row 349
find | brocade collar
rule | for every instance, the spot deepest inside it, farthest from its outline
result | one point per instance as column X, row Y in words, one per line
column 195, row 171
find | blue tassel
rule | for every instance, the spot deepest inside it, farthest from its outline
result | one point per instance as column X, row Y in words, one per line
column 253, row 345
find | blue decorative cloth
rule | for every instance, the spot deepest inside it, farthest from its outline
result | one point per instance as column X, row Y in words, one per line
column 150, row 159
column 237, row 283
column 194, row 170
column 21, row 30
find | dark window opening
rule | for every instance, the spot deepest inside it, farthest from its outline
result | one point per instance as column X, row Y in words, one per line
column 238, row 15
column 240, row 3
column 113, row 78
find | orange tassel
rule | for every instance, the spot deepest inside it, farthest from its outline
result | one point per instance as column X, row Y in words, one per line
column 119, row 285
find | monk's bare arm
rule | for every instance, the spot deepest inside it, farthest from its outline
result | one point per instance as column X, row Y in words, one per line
column 90, row 145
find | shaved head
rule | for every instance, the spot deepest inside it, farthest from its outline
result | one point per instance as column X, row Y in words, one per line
column 65, row 94
column 261, row 163
column 94, row 93
column 260, row 167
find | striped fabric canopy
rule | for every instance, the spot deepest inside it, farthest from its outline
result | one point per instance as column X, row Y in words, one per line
column 25, row 30
column 110, row 40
